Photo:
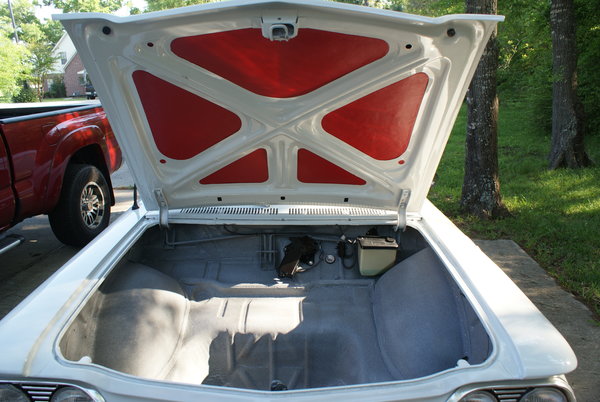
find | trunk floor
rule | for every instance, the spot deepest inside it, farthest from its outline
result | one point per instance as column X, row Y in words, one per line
column 250, row 336
column 247, row 328
column 219, row 315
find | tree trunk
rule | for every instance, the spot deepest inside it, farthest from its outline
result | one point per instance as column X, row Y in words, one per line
column 481, row 186
column 567, row 114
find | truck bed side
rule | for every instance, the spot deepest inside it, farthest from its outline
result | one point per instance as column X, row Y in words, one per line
column 40, row 146
column 7, row 197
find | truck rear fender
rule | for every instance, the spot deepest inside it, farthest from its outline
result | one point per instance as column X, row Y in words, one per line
column 85, row 145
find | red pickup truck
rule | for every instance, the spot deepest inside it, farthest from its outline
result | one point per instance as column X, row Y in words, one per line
column 56, row 159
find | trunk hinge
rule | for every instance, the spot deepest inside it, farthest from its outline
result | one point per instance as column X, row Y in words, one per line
column 163, row 212
column 404, row 197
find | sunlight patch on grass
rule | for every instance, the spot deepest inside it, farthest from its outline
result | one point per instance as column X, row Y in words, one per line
column 555, row 215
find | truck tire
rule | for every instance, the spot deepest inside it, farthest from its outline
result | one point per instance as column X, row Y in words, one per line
column 83, row 210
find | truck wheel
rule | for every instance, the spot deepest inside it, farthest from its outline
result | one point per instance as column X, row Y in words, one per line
column 83, row 210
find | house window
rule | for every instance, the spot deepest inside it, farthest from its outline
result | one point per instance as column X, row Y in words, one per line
column 63, row 58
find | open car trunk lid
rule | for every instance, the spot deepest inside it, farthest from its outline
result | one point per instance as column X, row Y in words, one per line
column 287, row 102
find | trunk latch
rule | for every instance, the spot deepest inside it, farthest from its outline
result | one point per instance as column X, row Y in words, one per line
column 279, row 28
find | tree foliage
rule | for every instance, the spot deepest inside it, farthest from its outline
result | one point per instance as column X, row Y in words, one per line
column 13, row 57
column 430, row 8
column 26, row 94
column 53, row 31
column 588, row 73
column 86, row 6
column 30, row 60
column 57, row 89
column 40, row 59
column 525, row 67
column 157, row 5
column 23, row 12
column 12, row 72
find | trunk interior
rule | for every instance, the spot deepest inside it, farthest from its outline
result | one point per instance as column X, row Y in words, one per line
column 204, row 305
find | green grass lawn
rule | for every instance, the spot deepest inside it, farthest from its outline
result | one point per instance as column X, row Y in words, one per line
column 64, row 99
column 555, row 215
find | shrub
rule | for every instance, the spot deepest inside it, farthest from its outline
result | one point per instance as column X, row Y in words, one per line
column 57, row 89
column 26, row 94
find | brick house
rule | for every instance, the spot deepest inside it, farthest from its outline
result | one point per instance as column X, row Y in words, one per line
column 75, row 77
column 68, row 66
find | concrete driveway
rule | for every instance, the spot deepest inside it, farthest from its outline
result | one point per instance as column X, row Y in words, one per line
column 23, row 269
column 572, row 318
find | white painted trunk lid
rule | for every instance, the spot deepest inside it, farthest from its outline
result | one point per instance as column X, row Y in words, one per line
column 354, row 108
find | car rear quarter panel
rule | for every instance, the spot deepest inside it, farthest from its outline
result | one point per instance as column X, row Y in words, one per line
column 31, row 328
column 520, row 331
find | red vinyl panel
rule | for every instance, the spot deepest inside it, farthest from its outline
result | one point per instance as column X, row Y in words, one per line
column 279, row 69
column 381, row 123
column 314, row 169
column 183, row 124
column 252, row 168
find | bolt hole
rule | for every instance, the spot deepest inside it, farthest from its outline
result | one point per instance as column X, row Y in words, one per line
column 163, row 161
column 106, row 30
column 150, row 44
column 451, row 32
column 346, row 199
column 408, row 46
column 219, row 199
column 282, row 198
column 401, row 162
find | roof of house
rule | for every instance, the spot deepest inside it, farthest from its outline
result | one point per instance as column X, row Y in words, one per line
column 64, row 44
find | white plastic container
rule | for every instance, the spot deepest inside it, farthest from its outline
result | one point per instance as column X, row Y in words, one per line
column 376, row 254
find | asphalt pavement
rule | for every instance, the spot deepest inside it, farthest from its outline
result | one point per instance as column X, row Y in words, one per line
column 24, row 268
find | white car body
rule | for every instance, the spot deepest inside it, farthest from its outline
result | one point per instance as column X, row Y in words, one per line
column 526, row 350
